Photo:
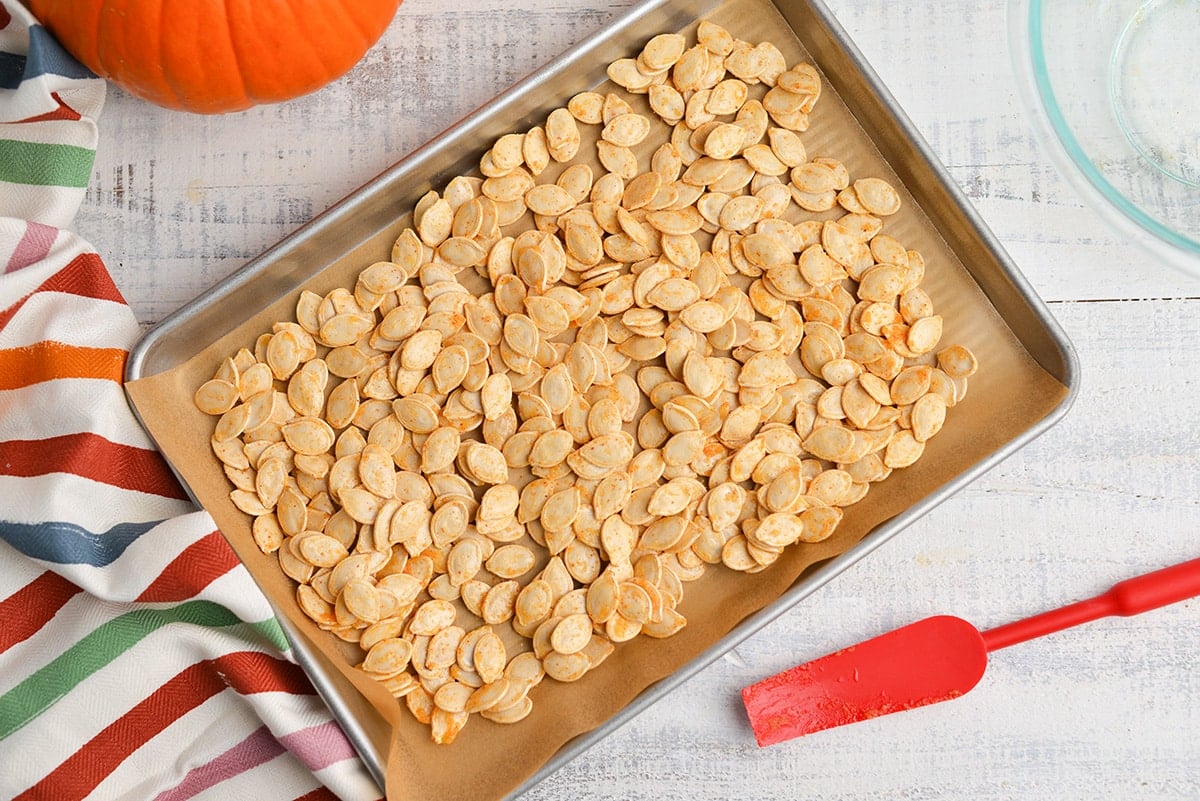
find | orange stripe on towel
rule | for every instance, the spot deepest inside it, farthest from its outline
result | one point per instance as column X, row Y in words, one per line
column 46, row 361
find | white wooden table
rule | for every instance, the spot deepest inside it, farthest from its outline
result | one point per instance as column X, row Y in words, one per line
column 1111, row 710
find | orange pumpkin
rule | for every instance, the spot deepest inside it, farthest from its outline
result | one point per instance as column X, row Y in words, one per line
column 213, row 56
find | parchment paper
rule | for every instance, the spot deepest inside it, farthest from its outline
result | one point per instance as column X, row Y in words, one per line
column 1008, row 395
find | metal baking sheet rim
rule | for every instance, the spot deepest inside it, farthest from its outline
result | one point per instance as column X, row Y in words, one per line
column 820, row 574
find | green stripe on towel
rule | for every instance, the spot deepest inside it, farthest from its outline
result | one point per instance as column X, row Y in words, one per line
column 44, row 164
column 42, row 689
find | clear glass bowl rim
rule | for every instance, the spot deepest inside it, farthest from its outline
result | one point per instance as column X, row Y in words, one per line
column 1034, row 84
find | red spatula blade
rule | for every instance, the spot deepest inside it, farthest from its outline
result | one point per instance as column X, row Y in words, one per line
column 932, row 660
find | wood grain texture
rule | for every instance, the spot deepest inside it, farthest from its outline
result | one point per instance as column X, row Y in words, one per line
column 1106, row 711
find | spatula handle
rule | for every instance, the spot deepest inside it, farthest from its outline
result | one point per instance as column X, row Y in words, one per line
column 1129, row 597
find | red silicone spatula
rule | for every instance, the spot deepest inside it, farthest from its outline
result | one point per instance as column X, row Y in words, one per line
column 932, row 660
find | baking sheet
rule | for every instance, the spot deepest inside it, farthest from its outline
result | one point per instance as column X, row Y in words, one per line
column 1025, row 383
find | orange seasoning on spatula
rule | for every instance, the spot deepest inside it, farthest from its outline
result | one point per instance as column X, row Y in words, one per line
column 932, row 660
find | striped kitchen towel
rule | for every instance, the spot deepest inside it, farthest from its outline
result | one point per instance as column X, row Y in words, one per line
column 138, row 660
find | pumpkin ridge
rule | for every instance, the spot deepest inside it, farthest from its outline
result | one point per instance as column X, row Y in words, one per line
column 136, row 76
column 305, row 70
column 243, row 89
column 168, row 83
column 358, row 25
column 334, row 68
column 237, row 54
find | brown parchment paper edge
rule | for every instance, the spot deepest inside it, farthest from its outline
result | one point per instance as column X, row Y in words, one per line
column 1009, row 395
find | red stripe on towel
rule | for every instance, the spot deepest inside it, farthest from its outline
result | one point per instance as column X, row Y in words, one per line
column 247, row 672
column 85, row 275
column 201, row 563
column 31, row 607
column 91, row 456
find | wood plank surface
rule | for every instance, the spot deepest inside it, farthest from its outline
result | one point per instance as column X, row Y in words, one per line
column 1109, row 711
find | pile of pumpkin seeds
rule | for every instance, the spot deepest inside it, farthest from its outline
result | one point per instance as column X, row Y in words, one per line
column 482, row 489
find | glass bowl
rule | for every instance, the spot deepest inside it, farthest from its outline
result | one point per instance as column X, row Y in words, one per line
column 1112, row 88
